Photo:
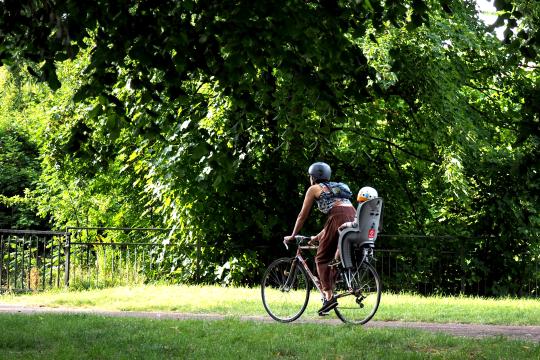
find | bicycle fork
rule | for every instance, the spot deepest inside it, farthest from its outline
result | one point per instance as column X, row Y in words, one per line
column 291, row 275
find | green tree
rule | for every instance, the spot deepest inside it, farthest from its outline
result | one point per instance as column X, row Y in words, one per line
column 19, row 166
column 212, row 110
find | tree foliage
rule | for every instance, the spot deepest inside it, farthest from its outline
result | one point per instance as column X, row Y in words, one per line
column 203, row 116
column 19, row 165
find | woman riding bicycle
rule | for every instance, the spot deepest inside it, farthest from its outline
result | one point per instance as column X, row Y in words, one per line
column 332, row 199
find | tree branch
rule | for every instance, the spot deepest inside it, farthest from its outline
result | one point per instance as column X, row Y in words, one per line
column 486, row 116
column 388, row 142
column 412, row 199
column 484, row 89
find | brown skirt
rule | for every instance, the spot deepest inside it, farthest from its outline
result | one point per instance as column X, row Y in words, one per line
column 329, row 240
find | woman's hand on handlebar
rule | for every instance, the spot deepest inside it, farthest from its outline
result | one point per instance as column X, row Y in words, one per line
column 313, row 241
column 298, row 239
column 288, row 239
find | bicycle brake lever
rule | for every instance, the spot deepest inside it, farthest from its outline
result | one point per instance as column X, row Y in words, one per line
column 300, row 240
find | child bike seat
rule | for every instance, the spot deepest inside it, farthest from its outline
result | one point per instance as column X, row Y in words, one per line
column 363, row 231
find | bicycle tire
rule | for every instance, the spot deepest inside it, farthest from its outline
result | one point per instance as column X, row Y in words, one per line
column 285, row 298
column 360, row 306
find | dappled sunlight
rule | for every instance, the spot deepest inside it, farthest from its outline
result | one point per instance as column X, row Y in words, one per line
column 234, row 301
column 463, row 309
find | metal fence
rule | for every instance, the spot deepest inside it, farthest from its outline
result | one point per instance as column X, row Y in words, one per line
column 449, row 265
column 31, row 260
column 394, row 265
column 101, row 257
column 78, row 257
column 96, row 261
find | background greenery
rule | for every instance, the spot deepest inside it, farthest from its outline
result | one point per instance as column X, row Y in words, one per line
column 203, row 117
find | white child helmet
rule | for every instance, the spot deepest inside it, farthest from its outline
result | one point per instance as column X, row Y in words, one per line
column 366, row 193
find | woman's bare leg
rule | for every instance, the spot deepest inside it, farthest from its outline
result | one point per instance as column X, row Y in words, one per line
column 326, row 277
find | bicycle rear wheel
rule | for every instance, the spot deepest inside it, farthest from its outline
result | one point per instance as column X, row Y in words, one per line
column 360, row 305
column 285, row 290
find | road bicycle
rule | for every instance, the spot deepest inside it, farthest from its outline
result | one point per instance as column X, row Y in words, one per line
column 288, row 282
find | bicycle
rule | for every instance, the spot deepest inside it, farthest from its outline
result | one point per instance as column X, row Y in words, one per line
column 288, row 282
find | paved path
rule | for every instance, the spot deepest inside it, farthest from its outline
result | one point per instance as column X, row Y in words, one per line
column 531, row 333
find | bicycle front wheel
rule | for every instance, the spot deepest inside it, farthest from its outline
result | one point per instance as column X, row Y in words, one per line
column 285, row 290
column 359, row 304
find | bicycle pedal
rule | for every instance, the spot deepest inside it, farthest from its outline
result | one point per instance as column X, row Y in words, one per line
column 324, row 313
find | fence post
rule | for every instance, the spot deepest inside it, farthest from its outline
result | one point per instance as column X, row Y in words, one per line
column 1, row 259
column 67, row 253
column 463, row 268
column 197, row 261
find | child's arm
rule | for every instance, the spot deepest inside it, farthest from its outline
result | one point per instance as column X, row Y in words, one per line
column 347, row 224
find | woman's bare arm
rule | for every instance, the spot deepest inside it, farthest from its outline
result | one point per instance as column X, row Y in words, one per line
column 318, row 237
column 311, row 194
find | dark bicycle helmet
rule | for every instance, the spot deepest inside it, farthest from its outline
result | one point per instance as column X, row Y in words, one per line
column 320, row 171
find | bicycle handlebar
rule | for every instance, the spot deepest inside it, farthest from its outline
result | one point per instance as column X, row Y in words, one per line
column 299, row 240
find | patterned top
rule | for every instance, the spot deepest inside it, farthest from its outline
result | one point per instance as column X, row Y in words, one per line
column 332, row 195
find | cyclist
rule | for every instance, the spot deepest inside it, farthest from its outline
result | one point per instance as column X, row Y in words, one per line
column 332, row 198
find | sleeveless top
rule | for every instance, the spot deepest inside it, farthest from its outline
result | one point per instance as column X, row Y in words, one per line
column 332, row 194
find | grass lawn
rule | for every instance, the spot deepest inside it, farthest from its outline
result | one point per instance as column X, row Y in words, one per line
column 247, row 301
column 95, row 337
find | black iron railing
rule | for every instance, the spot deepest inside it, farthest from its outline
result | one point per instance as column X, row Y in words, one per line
column 92, row 257
column 31, row 260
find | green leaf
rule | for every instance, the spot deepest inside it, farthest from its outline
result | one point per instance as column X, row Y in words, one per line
column 49, row 73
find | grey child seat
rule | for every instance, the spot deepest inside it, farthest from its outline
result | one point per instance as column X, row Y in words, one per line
column 363, row 231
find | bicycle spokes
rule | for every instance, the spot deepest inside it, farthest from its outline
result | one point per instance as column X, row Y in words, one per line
column 291, row 275
column 285, row 290
column 359, row 302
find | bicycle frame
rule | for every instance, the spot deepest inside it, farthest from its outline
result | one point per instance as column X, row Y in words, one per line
column 348, row 274
column 299, row 258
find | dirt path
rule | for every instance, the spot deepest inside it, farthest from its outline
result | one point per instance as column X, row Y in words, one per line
column 531, row 333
